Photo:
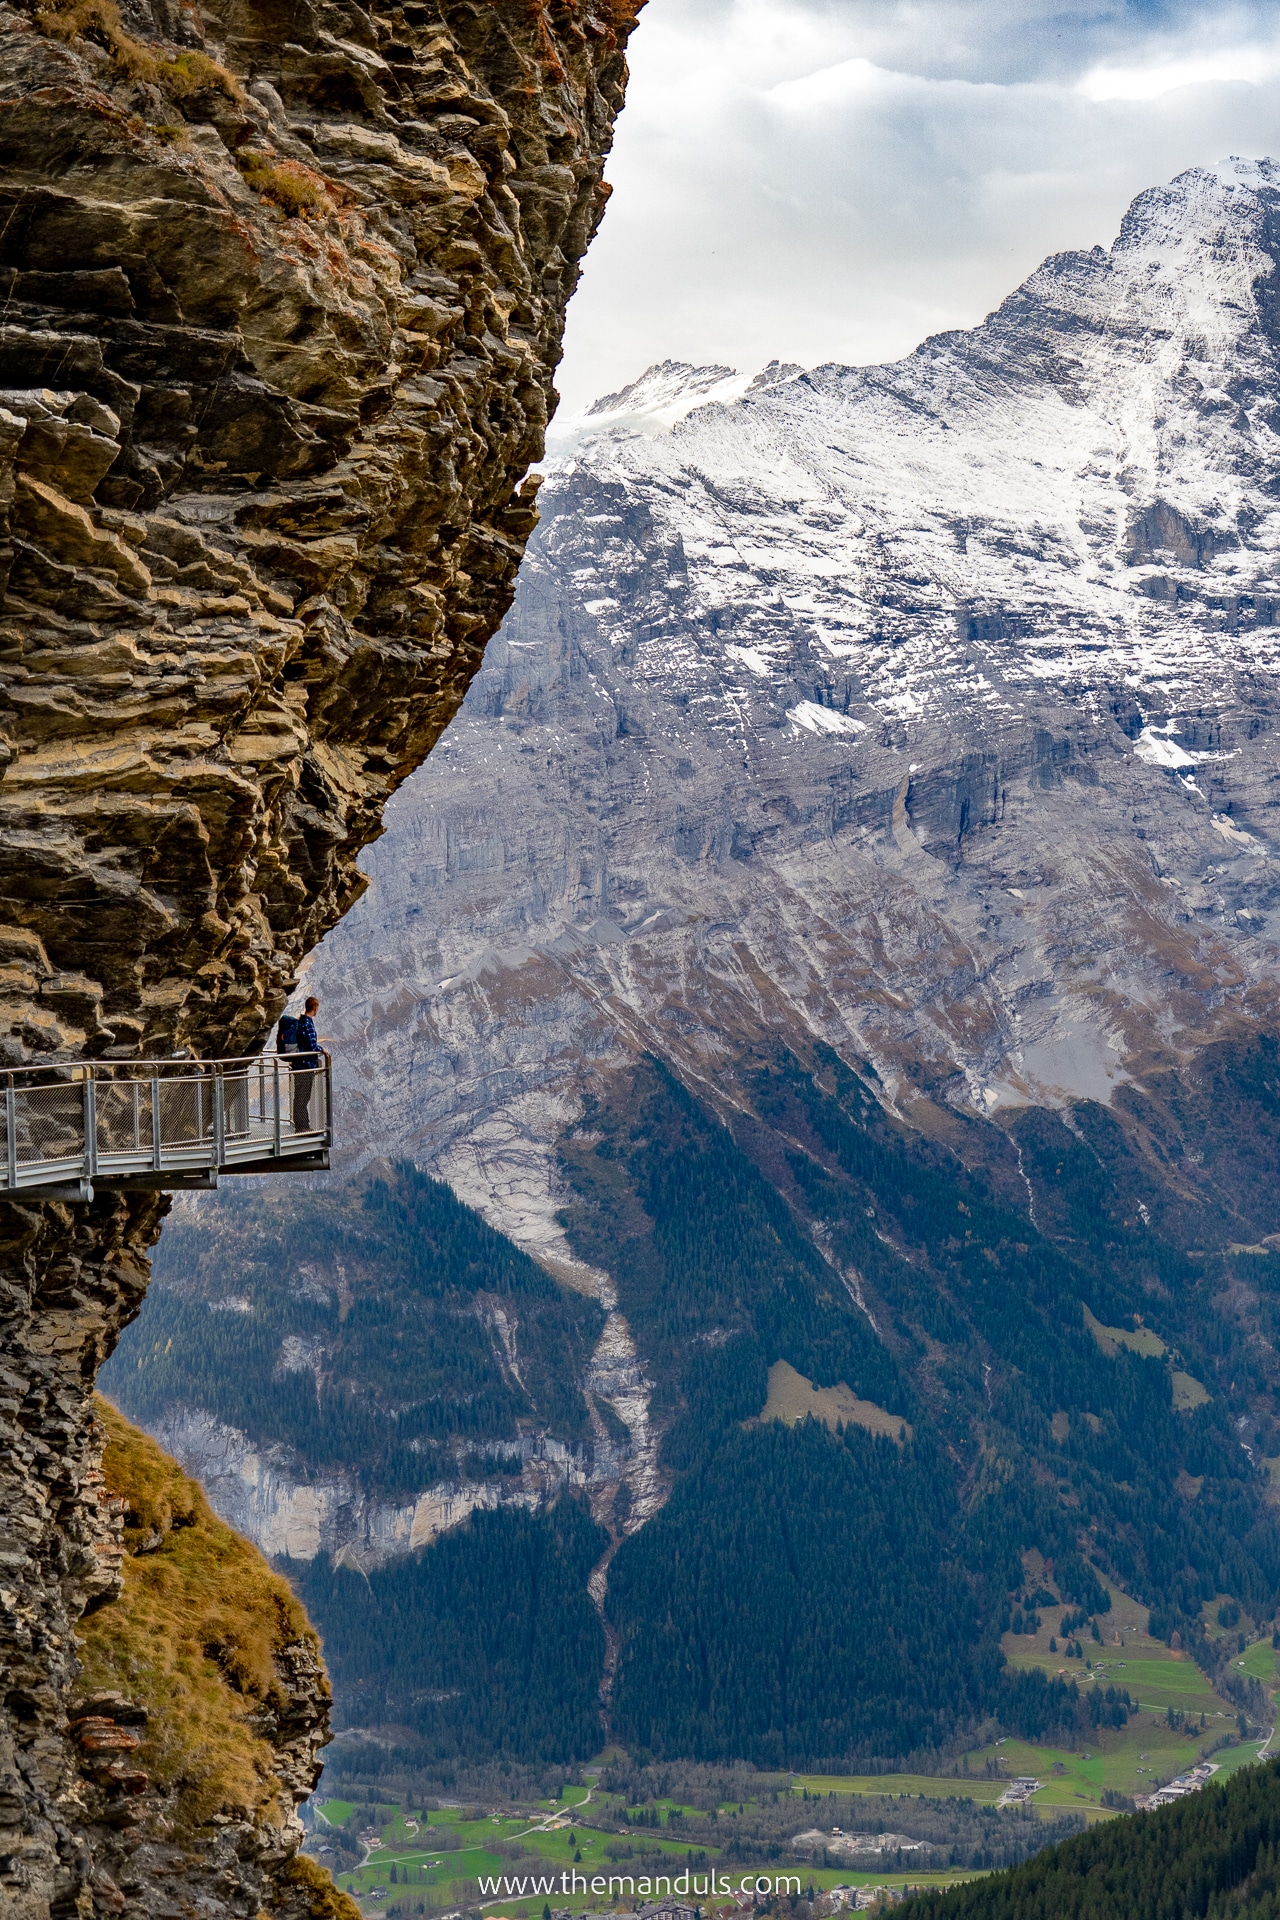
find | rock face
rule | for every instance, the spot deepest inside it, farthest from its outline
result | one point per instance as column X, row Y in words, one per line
column 283, row 296
column 200, row 1710
column 255, row 1487
column 271, row 387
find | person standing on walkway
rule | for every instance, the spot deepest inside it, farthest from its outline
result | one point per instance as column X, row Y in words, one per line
column 305, row 1063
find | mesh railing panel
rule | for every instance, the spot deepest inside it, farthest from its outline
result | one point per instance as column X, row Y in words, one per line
column 124, row 1116
column 186, row 1112
column 238, row 1091
column 49, row 1123
column 304, row 1100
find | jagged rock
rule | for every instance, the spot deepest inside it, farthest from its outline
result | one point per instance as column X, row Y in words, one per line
column 283, row 295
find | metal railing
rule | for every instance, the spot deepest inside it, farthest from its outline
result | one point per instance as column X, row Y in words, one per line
column 67, row 1129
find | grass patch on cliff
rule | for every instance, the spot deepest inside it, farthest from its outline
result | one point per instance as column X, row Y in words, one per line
column 313, row 1886
column 204, row 1636
column 182, row 75
column 295, row 189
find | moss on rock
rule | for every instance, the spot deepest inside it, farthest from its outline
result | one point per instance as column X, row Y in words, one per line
column 210, row 1642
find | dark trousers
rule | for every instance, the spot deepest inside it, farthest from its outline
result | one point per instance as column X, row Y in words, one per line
column 303, row 1080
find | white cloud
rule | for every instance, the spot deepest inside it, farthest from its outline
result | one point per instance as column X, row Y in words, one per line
column 833, row 179
column 1148, row 81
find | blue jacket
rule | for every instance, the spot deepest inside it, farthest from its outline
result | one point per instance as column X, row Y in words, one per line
column 308, row 1041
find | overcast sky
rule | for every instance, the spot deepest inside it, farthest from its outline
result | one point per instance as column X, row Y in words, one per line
column 817, row 180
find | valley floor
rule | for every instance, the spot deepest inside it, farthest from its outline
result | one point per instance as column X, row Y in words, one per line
column 425, row 1862
column 1180, row 1717
column 430, row 1879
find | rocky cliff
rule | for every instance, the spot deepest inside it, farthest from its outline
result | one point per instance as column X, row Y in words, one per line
column 283, row 296
column 200, row 1709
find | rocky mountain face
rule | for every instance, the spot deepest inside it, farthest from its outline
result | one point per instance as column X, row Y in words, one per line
column 925, row 709
column 859, row 844
column 283, row 297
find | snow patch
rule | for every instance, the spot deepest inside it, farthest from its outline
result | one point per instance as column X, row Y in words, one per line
column 1158, row 748
column 749, row 657
column 815, row 719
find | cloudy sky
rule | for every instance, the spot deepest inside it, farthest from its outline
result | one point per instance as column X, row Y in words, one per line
column 821, row 180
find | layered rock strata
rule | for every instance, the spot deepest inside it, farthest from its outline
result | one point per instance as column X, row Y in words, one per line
column 283, row 294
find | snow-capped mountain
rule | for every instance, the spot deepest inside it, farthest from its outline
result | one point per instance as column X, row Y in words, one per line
column 929, row 708
column 663, row 396
column 927, row 713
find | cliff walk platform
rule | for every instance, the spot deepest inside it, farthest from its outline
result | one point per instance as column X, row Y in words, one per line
column 70, row 1130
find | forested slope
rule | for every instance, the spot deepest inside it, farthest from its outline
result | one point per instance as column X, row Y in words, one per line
column 360, row 1331
column 485, row 1645
column 806, row 1595
column 872, row 1579
column 1213, row 1856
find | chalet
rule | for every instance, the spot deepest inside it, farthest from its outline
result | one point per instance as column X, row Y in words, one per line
column 668, row 1909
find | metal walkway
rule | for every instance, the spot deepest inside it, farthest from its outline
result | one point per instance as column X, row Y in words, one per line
column 175, row 1124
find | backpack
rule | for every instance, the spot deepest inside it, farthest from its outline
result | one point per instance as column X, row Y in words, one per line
column 287, row 1034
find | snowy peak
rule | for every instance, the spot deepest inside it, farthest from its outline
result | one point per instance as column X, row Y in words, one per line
column 663, row 396
column 776, row 374
column 1189, row 257
column 1204, row 211
column 1080, row 492
column 1184, row 290
column 668, row 384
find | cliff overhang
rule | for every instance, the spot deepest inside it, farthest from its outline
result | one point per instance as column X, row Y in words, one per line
column 283, row 295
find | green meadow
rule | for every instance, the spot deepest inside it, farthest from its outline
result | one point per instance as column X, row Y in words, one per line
column 410, row 1872
column 427, row 1862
